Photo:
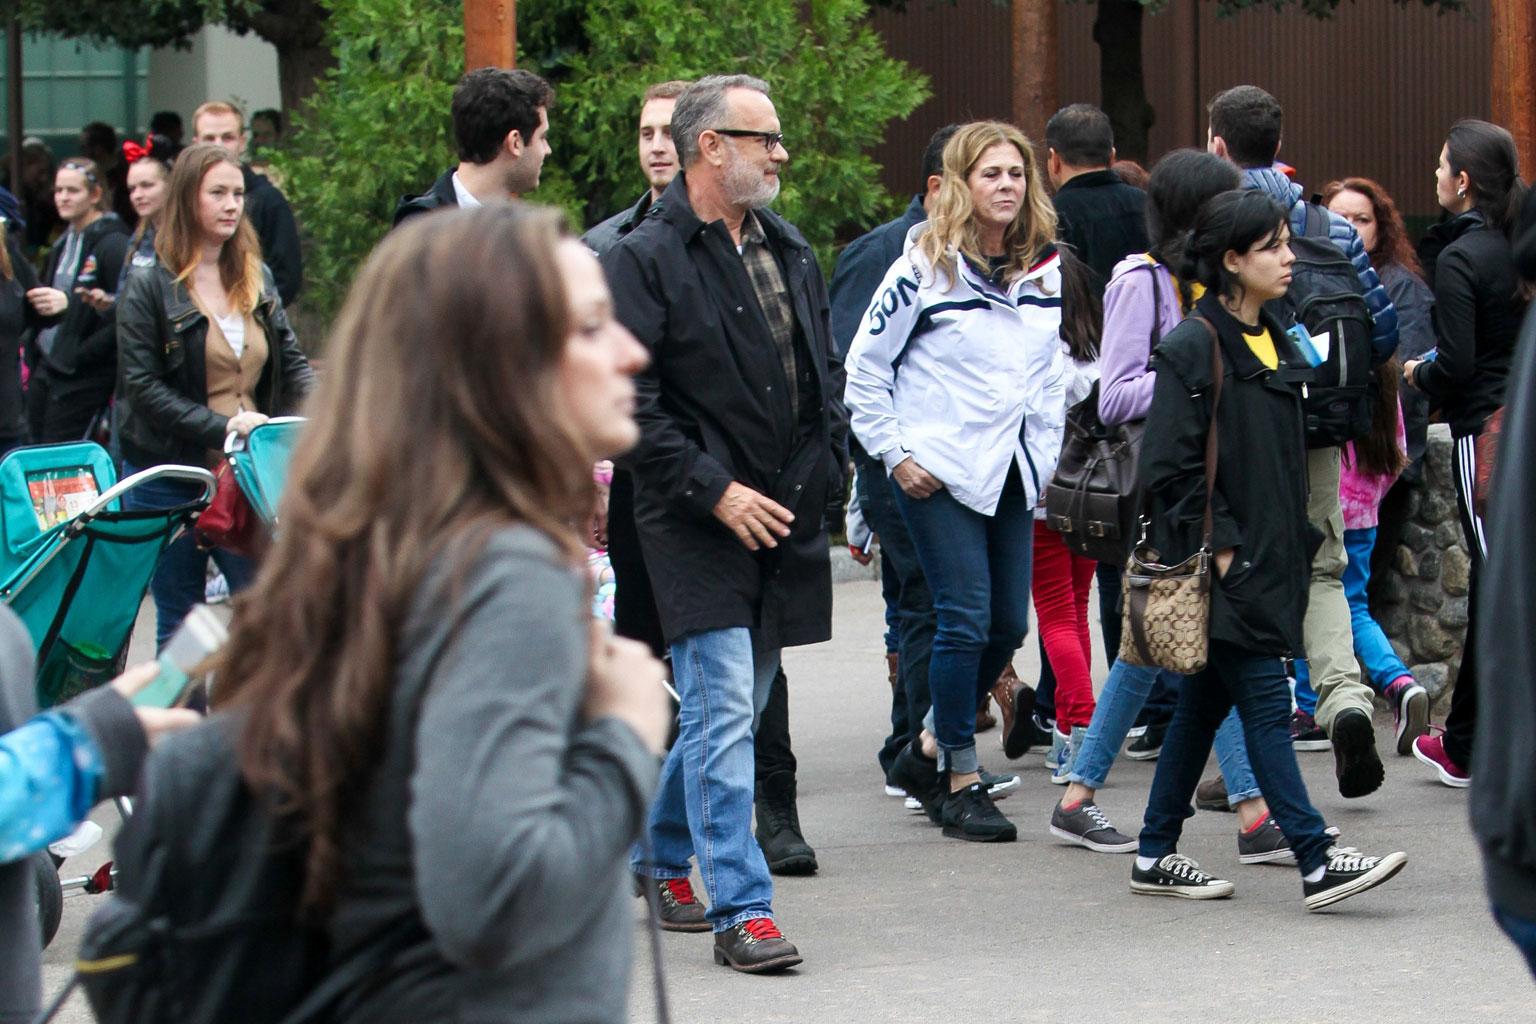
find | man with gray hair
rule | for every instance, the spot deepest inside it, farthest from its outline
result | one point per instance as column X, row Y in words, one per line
column 742, row 447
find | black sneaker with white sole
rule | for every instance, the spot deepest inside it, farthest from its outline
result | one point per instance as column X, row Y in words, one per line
column 1148, row 745
column 1355, row 761
column 1264, row 844
column 919, row 777
column 1177, row 875
column 1088, row 826
column 970, row 814
column 998, row 785
column 1349, row 873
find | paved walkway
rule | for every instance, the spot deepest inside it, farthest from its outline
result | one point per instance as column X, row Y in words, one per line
column 902, row 925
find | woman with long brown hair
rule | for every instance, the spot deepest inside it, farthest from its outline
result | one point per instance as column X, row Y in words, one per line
column 969, row 430
column 418, row 679
column 206, row 350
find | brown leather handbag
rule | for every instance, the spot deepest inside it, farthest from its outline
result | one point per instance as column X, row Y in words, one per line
column 1167, row 608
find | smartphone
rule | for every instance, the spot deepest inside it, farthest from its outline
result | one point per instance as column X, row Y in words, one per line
column 199, row 637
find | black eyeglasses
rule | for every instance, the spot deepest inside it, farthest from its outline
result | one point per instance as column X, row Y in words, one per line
column 771, row 140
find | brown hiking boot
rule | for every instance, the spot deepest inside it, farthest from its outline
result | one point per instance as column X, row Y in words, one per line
column 892, row 663
column 1211, row 795
column 1016, row 702
column 680, row 909
column 985, row 719
column 755, row 947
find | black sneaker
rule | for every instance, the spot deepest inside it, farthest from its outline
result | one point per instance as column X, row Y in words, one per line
column 1086, row 825
column 1349, row 873
column 1265, row 844
column 1355, row 760
column 970, row 814
column 680, row 909
column 1306, row 734
column 921, row 779
column 1148, row 745
column 998, row 786
column 1177, row 875
column 1042, row 730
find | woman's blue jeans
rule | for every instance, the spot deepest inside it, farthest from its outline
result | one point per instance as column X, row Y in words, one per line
column 1124, row 693
column 978, row 569
column 1256, row 685
column 181, row 579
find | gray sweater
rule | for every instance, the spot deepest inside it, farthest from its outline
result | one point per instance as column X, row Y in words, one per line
column 499, row 818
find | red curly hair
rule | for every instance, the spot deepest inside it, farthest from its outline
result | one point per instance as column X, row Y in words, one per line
column 1392, row 244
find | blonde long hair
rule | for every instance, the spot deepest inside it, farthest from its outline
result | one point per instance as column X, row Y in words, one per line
column 952, row 227
column 179, row 241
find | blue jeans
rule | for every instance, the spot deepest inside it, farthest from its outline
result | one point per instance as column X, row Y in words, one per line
column 906, row 593
column 1125, row 691
column 977, row 568
column 1521, row 932
column 1256, row 685
column 181, row 579
column 703, row 802
column 1382, row 665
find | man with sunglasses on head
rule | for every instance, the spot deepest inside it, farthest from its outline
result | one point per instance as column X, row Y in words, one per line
column 743, row 444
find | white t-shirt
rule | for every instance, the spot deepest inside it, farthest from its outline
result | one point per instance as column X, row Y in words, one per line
column 465, row 197
column 233, row 327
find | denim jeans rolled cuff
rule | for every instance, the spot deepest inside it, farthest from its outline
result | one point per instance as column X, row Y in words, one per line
column 1124, row 693
column 962, row 760
column 1232, row 757
column 703, row 803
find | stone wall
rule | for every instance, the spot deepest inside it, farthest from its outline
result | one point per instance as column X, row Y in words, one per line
column 1425, row 595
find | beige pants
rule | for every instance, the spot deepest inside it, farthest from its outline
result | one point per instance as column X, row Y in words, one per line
column 1335, row 674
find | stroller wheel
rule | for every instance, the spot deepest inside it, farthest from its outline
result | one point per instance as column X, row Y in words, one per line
column 50, row 895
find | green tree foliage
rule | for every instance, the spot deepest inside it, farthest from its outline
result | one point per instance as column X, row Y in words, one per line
column 377, row 125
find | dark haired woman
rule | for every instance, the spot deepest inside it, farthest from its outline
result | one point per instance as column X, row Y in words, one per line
column 148, row 183
column 206, row 350
column 1144, row 302
column 17, row 278
column 1232, row 357
column 420, row 683
column 1479, row 304
column 74, row 356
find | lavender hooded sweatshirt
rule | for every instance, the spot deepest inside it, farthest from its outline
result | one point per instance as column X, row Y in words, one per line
column 1125, row 382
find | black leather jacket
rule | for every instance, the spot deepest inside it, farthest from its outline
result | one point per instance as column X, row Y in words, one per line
column 162, row 387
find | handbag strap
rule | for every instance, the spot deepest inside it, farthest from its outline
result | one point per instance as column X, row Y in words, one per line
column 1208, row 524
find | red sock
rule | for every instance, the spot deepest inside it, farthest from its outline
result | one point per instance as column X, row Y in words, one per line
column 1070, row 807
column 1256, row 825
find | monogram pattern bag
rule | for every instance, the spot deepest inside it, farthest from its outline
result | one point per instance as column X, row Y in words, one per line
column 1167, row 608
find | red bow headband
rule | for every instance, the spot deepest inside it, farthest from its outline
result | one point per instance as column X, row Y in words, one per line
column 133, row 152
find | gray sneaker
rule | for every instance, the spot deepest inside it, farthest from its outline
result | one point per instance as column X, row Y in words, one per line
column 1086, row 825
column 1061, row 775
column 1264, row 845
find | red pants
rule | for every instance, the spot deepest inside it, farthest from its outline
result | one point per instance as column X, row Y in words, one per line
column 1060, row 583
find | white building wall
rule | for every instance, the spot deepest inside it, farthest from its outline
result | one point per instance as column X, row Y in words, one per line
column 220, row 65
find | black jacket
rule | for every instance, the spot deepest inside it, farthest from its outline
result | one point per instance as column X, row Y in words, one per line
column 1103, row 219
column 16, row 317
column 1260, row 506
column 862, row 267
column 606, row 234
column 85, row 347
column 440, row 195
column 272, row 218
column 162, row 391
column 1478, row 310
column 713, row 408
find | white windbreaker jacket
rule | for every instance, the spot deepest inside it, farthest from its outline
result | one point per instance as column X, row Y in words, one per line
column 962, row 376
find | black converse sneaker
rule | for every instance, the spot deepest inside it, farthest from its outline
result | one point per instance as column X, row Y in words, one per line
column 1177, row 875
column 1349, row 873
column 1087, row 825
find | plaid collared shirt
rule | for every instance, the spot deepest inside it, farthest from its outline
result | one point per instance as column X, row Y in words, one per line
column 773, row 297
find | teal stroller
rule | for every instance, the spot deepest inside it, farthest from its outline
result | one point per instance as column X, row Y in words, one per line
column 74, row 564
column 260, row 461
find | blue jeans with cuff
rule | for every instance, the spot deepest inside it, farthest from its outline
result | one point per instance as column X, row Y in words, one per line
column 977, row 567
column 703, row 804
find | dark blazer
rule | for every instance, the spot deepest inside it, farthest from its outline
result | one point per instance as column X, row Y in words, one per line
column 1103, row 219
column 441, row 194
column 1478, row 310
column 1260, row 505
column 16, row 317
column 272, row 218
column 862, row 267
column 162, row 391
column 604, row 235
column 714, row 408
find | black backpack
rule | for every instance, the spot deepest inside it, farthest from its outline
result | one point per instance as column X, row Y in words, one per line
column 204, row 926
column 1326, row 298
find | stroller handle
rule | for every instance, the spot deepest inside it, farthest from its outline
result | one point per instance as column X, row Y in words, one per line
column 190, row 474
column 234, row 442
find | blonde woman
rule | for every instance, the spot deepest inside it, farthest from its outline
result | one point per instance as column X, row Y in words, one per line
column 969, row 429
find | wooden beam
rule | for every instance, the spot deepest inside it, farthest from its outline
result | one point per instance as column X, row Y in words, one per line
column 1514, row 76
column 1036, row 83
column 490, row 34
column 13, row 100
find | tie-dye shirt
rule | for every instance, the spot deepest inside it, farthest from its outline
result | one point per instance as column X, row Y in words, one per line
column 1360, row 493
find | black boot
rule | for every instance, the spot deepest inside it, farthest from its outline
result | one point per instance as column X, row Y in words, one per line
column 778, row 827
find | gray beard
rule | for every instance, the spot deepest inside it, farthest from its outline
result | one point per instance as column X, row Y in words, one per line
column 746, row 187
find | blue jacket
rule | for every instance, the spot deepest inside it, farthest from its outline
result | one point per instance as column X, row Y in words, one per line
column 1288, row 194
column 862, row 267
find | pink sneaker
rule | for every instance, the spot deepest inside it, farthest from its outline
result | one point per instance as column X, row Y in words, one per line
column 1431, row 750
column 1410, row 711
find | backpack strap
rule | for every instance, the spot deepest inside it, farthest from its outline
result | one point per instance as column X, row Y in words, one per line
column 1316, row 223
column 1217, row 370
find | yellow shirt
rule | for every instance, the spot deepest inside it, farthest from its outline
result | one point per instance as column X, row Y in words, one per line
column 1262, row 343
